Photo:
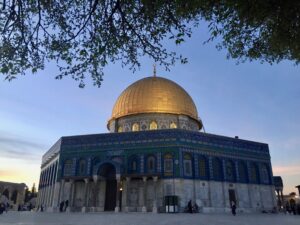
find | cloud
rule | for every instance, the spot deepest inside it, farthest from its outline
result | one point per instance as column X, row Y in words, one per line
column 286, row 170
column 19, row 142
column 19, row 148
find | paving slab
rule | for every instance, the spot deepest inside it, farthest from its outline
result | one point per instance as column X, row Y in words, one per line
column 43, row 218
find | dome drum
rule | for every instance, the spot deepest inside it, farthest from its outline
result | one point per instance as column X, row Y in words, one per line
column 153, row 121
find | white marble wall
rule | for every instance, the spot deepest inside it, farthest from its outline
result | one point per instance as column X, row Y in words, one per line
column 211, row 196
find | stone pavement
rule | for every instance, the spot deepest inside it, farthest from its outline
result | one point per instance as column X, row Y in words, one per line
column 38, row 218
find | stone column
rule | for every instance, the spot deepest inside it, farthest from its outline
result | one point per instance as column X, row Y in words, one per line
column 95, row 193
column 144, row 208
column 85, row 204
column 126, row 194
column 154, row 209
column 61, row 191
column 117, row 208
column 281, row 194
column 71, row 195
column 46, row 188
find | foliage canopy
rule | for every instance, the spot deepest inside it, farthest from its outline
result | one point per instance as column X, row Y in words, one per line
column 83, row 36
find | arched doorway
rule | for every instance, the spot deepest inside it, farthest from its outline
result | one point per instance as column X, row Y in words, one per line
column 6, row 193
column 107, row 171
column 14, row 196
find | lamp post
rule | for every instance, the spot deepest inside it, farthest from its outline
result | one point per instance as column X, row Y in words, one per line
column 120, row 202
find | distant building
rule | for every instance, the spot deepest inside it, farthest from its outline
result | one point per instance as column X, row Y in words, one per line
column 12, row 193
column 155, row 159
column 298, row 187
column 279, row 190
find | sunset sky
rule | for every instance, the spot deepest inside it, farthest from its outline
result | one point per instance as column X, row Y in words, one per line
column 254, row 101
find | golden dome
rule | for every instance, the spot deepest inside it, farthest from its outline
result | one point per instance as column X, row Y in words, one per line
column 154, row 95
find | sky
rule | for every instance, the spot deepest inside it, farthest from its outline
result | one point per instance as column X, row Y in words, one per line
column 258, row 102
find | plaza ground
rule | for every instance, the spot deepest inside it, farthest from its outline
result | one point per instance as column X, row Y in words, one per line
column 38, row 218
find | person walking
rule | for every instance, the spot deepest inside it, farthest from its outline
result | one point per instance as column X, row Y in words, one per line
column 61, row 206
column 190, row 206
column 66, row 204
column 1, row 208
column 233, row 208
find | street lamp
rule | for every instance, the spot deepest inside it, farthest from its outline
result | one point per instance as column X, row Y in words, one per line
column 120, row 199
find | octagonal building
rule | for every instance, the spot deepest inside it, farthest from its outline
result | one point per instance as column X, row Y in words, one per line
column 155, row 158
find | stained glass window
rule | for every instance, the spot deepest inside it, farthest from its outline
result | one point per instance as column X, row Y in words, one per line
column 68, row 166
column 202, row 167
column 82, row 167
column 168, row 164
column 153, row 125
column 187, row 165
column 253, row 173
column 120, row 129
column 242, row 172
column 265, row 174
column 217, row 169
column 135, row 127
column 173, row 125
column 229, row 167
column 151, row 164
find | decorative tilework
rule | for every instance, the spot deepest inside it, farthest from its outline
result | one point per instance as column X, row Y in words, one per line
column 142, row 163
column 158, row 156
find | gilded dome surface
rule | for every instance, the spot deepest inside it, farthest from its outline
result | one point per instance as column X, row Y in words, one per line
column 154, row 95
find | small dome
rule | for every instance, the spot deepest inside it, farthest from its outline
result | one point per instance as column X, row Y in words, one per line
column 154, row 95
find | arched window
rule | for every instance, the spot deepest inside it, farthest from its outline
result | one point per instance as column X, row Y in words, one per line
column 242, row 172
column 135, row 127
column 202, row 167
column 133, row 164
column 265, row 174
column 14, row 196
column 230, row 170
column 168, row 164
column 217, row 169
column 153, row 125
column 68, row 166
column 82, row 167
column 187, row 165
column 254, row 173
column 120, row 129
column 173, row 125
column 151, row 164
column 6, row 193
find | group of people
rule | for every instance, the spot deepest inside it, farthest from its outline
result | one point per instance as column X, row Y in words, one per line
column 63, row 206
column 3, row 207
column 192, row 208
column 292, row 208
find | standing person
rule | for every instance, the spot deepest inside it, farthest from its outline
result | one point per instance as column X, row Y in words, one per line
column 66, row 204
column 1, row 208
column 190, row 207
column 233, row 208
column 61, row 206
column 287, row 206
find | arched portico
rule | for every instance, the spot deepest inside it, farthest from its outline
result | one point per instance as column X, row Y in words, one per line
column 106, row 176
column 107, row 172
